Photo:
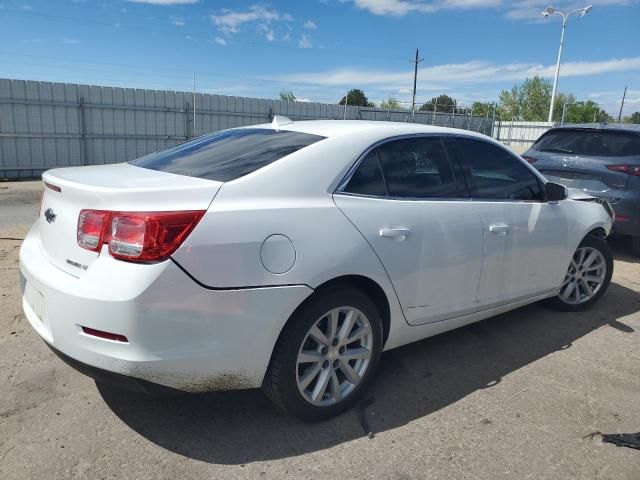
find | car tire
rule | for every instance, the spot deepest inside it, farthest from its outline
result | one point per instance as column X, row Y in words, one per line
column 635, row 246
column 576, row 298
column 286, row 378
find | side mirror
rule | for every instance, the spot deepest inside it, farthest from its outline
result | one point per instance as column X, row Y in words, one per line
column 554, row 192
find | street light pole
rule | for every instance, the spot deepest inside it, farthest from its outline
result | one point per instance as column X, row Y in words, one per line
column 565, row 16
column 555, row 79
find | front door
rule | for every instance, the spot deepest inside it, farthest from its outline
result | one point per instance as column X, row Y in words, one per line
column 526, row 239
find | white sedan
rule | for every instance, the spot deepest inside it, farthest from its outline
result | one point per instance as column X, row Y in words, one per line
column 289, row 255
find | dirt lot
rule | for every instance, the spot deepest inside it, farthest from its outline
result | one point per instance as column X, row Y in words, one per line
column 512, row 397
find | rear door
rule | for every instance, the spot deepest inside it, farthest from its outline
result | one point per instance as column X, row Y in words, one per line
column 408, row 203
column 526, row 240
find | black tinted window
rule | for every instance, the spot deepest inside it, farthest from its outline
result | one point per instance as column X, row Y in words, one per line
column 494, row 173
column 417, row 168
column 367, row 179
column 593, row 143
column 227, row 155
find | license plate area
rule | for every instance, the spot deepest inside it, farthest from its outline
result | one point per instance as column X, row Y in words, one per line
column 35, row 300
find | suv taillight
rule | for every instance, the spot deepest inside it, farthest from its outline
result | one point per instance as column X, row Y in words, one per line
column 630, row 169
column 529, row 159
column 136, row 236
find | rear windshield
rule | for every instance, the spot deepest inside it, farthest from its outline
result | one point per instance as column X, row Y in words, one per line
column 594, row 143
column 227, row 155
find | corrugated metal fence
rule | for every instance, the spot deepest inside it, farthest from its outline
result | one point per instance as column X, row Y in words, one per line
column 520, row 135
column 46, row 125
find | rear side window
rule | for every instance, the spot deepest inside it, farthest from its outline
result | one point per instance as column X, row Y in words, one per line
column 407, row 168
column 417, row 168
column 227, row 155
column 494, row 173
column 367, row 179
column 593, row 143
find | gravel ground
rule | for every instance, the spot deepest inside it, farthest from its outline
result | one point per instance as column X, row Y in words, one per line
column 516, row 397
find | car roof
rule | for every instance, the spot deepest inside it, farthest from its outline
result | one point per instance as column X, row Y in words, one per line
column 619, row 127
column 334, row 128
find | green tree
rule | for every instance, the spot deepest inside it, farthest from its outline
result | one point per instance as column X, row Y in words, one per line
column 390, row 104
column 562, row 99
column 482, row 109
column 584, row 112
column 442, row 104
column 528, row 101
column 633, row 118
column 357, row 98
column 287, row 96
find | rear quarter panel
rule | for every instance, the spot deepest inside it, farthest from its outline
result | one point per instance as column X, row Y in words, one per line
column 293, row 198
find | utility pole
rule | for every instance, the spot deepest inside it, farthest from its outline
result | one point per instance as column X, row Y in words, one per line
column 346, row 103
column 415, row 80
column 194, row 104
column 624, row 95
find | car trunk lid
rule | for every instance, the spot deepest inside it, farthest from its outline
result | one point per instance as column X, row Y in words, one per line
column 117, row 187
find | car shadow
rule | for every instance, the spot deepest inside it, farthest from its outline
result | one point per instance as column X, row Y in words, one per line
column 413, row 381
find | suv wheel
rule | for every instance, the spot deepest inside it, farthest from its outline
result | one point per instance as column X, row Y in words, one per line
column 635, row 246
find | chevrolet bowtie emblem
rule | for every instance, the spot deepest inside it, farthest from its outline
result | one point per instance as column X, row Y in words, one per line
column 50, row 215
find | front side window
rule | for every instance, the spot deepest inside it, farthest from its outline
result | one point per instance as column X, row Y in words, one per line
column 494, row 173
column 229, row 154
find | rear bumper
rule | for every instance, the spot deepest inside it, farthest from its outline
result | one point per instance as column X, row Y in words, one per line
column 180, row 335
column 116, row 379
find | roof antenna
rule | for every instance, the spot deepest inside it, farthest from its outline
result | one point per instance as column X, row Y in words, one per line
column 279, row 120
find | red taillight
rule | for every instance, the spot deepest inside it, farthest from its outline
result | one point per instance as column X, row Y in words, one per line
column 92, row 226
column 136, row 236
column 529, row 159
column 629, row 169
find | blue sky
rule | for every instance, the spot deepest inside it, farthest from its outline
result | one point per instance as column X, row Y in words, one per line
column 320, row 48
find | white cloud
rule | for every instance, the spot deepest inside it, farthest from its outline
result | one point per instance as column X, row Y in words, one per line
column 469, row 73
column 310, row 24
column 526, row 9
column 305, row 41
column 165, row 2
column 269, row 34
column 177, row 21
column 220, row 41
column 230, row 21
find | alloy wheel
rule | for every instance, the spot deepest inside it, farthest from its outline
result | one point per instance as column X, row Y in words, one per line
column 585, row 276
column 334, row 356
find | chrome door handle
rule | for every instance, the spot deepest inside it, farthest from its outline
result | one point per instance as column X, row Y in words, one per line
column 499, row 229
column 398, row 234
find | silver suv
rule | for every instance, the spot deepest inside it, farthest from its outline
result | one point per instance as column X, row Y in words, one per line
column 601, row 159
